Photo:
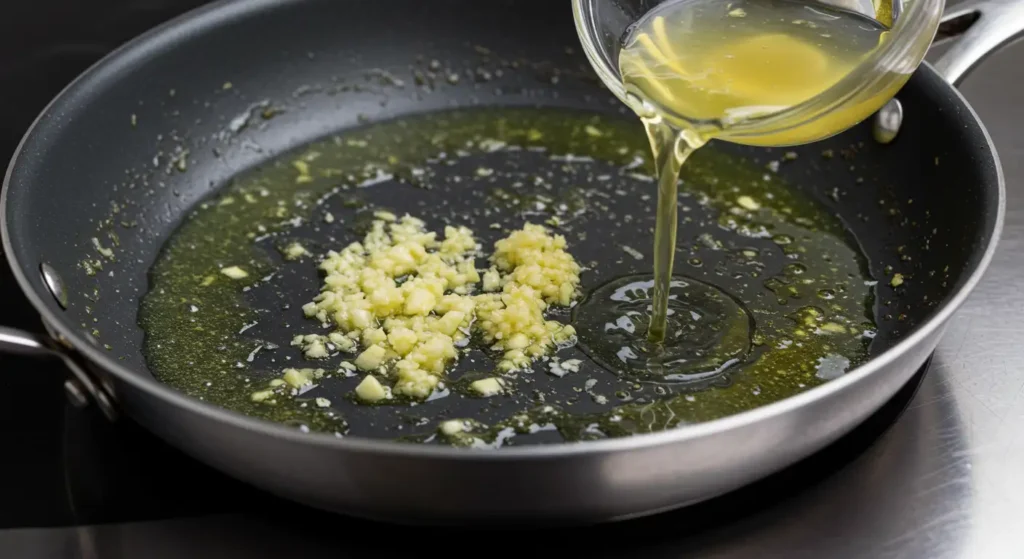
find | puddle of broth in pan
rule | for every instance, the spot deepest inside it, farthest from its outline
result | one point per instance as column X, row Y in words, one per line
column 774, row 296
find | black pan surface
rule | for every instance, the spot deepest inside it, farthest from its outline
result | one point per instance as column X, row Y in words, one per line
column 172, row 123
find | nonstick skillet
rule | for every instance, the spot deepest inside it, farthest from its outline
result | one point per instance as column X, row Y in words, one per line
column 169, row 118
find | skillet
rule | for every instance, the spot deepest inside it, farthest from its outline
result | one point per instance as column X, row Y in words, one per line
column 117, row 136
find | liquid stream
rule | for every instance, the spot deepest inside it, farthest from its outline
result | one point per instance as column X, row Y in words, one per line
column 699, row 69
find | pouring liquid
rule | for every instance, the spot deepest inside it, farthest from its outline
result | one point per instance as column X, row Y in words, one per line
column 696, row 69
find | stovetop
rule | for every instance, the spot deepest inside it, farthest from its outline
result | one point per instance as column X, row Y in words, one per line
column 937, row 473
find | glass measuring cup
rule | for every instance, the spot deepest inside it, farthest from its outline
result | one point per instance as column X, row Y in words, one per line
column 603, row 24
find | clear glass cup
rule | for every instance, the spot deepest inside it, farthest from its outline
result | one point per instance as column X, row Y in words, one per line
column 604, row 24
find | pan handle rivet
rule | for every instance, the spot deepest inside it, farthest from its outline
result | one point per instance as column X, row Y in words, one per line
column 888, row 121
column 75, row 393
column 56, row 285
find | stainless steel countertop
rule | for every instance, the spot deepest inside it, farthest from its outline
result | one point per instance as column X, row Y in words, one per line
column 946, row 481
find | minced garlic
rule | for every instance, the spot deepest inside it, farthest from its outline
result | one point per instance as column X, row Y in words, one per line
column 298, row 378
column 234, row 272
column 315, row 346
column 748, row 203
column 534, row 258
column 538, row 272
column 452, row 427
column 294, row 251
column 488, row 386
column 293, row 381
column 406, row 299
column 371, row 390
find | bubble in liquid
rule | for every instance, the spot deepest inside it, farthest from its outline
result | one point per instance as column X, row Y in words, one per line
column 709, row 331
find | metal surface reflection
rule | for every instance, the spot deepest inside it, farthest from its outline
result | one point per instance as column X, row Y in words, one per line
column 912, row 486
column 944, row 482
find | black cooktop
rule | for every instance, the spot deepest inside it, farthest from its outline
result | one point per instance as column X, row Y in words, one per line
column 43, row 46
column 64, row 466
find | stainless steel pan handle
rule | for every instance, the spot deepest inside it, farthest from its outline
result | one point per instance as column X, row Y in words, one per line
column 18, row 342
column 81, row 389
column 981, row 28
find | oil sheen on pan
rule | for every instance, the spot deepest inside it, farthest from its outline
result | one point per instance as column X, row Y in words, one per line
column 771, row 295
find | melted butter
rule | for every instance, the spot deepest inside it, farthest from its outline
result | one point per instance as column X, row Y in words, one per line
column 707, row 67
column 697, row 69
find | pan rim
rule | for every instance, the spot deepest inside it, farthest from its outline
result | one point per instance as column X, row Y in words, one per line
column 223, row 11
